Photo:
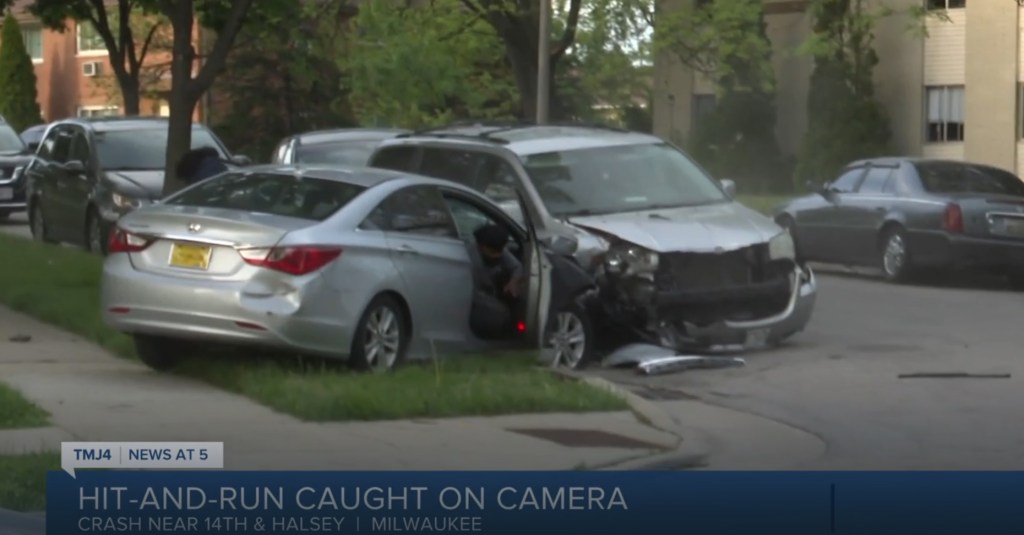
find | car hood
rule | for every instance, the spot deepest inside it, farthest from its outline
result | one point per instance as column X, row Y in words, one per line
column 149, row 183
column 711, row 228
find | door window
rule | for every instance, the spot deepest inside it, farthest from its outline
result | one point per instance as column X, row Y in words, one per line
column 456, row 165
column 79, row 150
column 400, row 158
column 847, row 182
column 876, row 180
column 469, row 216
column 498, row 179
column 56, row 146
column 413, row 210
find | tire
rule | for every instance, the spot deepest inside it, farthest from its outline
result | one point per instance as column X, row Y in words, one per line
column 159, row 353
column 383, row 323
column 571, row 335
column 894, row 256
column 95, row 237
column 37, row 224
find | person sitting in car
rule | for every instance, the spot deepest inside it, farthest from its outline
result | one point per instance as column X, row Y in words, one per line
column 499, row 277
column 200, row 164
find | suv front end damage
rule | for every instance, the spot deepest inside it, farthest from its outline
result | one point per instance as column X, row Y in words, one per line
column 747, row 297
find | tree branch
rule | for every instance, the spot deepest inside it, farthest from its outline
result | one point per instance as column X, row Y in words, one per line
column 569, row 35
column 218, row 56
column 146, row 42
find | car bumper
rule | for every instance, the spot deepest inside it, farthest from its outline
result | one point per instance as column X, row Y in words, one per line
column 759, row 332
column 137, row 302
column 962, row 252
column 12, row 196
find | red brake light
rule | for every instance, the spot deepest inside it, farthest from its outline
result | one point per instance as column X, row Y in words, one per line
column 126, row 242
column 953, row 219
column 521, row 327
column 291, row 260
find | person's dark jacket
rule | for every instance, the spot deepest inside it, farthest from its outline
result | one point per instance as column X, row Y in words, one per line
column 199, row 164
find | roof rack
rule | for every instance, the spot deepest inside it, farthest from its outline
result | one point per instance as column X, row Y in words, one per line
column 449, row 135
column 500, row 126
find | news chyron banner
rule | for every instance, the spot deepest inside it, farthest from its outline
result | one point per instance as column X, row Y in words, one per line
column 159, row 488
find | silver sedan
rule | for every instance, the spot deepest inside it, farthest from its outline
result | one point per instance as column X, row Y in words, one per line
column 365, row 265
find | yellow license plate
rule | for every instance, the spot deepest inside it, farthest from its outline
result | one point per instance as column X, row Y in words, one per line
column 187, row 255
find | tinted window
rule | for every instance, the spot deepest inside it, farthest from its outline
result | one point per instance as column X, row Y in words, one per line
column 620, row 179
column 143, row 149
column 10, row 141
column 396, row 158
column 456, row 165
column 79, row 147
column 847, row 181
column 876, row 180
column 271, row 193
column 353, row 153
column 416, row 210
column 949, row 177
column 61, row 147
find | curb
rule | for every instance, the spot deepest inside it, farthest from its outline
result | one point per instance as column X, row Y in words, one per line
column 689, row 450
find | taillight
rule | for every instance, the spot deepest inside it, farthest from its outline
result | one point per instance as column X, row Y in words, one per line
column 953, row 219
column 298, row 260
column 126, row 242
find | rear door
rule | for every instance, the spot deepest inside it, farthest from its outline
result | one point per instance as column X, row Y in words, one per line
column 432, row 260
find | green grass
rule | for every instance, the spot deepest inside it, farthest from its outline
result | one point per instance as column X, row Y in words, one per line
column 60, row 286
column 16, row 412
column 763, row 203
column 23, row 483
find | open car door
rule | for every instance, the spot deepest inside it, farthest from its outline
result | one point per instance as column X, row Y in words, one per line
column 538, row 283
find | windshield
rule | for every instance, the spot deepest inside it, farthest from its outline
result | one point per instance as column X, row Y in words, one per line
column 948, row 177
column 355, row 153
column 626, row 178
column 270, row 193
column 129, row 150
column 10, row 141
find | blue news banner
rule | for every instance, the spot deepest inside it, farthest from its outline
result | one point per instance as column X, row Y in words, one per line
column 564, row 503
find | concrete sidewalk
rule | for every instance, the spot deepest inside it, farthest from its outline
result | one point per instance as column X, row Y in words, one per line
column 93, row 396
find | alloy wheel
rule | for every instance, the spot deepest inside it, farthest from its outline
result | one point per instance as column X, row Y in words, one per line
column 382, row 339
column 894, row 255
column 569, row 340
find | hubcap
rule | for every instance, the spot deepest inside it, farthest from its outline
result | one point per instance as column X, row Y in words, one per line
column 568, row 339
column 381, row 340
column 894, row 255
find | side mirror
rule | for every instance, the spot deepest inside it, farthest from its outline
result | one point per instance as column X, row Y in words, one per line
column 729, row 186
column 241, row 160
column 74, row 167
column 562, row 245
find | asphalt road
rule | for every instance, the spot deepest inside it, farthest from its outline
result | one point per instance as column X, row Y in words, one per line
column 839, row 381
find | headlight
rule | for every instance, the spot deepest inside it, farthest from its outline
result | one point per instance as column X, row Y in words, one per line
column 123, row 201
column 782, row 247
column 630, row 259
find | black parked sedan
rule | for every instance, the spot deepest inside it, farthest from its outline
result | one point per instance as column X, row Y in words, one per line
column 87, row 173
column 14, row 156
column 907, row 214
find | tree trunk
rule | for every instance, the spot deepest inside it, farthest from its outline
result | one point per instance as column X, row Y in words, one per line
column 524, row 69
column 182, row 100
column 130, row 95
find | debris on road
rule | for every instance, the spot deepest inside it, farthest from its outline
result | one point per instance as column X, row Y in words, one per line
column 634, row 354
column 20, row 338
column 954, row 375
column 683, row 363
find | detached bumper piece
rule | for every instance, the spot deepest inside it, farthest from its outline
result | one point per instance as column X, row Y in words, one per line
column 681, row 363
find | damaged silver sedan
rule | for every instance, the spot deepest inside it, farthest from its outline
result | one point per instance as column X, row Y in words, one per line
column 676, row 261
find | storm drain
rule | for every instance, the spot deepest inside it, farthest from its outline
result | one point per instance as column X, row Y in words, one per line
column 663, row 394
column 586, row 438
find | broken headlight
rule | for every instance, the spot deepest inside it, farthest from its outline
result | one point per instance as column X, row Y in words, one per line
column 782, row 247
column 628, row 259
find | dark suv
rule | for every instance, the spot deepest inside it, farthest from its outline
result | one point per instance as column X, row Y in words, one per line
column 14, row 156
column 87, row 173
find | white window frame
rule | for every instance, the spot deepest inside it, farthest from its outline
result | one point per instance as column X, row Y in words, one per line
column 78, row 43
column 947, row 109
column 944, row 4
column 32, row 28
column 83, row 111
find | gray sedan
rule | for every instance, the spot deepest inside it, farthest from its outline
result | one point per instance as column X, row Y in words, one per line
column 365, row 265
column 906, row 214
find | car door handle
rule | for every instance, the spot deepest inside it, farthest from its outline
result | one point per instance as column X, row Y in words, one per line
column 407, row 249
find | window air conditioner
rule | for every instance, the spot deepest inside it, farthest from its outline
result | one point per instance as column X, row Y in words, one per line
column 92, row 68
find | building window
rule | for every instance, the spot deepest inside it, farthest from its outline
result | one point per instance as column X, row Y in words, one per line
column 98, row 111
column 703, row 105
column 33, row 37
column 89, row 40
column 947, row 4
column 945, row 114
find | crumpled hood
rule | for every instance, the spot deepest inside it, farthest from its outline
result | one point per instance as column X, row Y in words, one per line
column 149, row 183
column 711, row 228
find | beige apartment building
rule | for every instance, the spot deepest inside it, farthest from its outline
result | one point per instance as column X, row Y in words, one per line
column 959, row 93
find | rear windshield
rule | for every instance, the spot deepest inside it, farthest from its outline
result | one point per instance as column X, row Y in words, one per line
column 350, row 153
column 949, row 177
column 270, row 193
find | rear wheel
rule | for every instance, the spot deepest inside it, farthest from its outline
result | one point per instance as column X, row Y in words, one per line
column 95, row 238
column 571, row 337
column 895, row 259
column 381, row 337
column 37, row 224
column 157, row 352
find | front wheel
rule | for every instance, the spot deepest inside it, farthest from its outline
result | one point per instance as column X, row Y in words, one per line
column 381, row 337
column 571, row 337
column 159, row 353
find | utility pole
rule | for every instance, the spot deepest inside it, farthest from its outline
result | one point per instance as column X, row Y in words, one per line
column 544, row 62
